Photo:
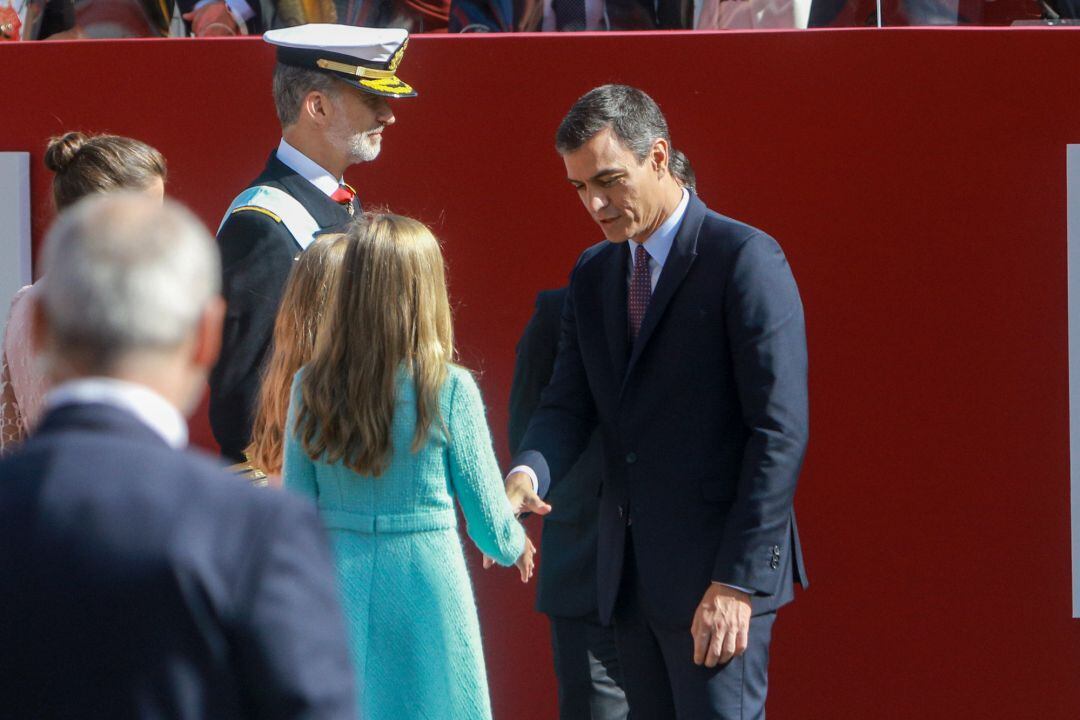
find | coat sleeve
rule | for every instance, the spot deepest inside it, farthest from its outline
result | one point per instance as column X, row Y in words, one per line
column 535, row 358
column 561, row 427
column 475, row 476
column 257, row 256
column 767, row 337
column 290, row 636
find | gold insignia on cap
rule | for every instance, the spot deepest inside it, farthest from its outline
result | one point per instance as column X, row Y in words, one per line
column 390, row 86
column 396, row 59
column 357, row 70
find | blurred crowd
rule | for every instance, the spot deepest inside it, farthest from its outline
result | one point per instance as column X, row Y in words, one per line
column 70, row 19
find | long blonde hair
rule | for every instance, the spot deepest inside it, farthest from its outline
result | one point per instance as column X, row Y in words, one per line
column 390, row 313
column 313, row 277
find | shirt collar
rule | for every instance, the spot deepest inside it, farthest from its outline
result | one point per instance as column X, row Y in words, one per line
column 307, row 168
column 151, row 409
column 658, row 245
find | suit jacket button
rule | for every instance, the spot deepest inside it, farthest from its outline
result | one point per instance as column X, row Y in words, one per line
column 631, row 458
column 620, row 511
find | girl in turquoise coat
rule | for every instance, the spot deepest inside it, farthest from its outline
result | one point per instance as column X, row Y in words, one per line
column 383, row 433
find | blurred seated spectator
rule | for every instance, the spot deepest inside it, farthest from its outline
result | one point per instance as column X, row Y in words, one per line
column 38, row 20
column 900, row 13
column 569, row 15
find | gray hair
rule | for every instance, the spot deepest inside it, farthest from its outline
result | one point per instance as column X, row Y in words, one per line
column 124, row 273
column 632, row 115
column 291, row 86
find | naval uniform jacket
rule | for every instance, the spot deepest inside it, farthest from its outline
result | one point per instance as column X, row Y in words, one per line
column 257, row 252
column 704, row 419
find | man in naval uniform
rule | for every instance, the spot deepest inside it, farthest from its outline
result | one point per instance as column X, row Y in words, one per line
column 331, row 86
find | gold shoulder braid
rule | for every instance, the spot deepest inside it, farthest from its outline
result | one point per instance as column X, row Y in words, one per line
column 249, row 472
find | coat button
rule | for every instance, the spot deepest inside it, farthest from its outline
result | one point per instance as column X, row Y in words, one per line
column 620, row 511
column 631, row 458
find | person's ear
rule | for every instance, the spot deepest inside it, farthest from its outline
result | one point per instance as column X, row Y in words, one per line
column 318, row 106
column 660, row 155
column 208, row 334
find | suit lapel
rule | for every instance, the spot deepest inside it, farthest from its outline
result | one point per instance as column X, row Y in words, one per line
column 614, row 302
column 679, row 259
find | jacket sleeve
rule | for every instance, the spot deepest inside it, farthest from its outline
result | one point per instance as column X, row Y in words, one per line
column 257, row 256
column 767, row 337
column 475, row 476
column 535, row 357
column 290, row 637
column 561, row 427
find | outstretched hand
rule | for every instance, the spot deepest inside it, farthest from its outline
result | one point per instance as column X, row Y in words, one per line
column 526, row 562
column 523, row 499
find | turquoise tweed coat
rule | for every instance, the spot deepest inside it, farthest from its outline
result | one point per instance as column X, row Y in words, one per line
column 405, row 590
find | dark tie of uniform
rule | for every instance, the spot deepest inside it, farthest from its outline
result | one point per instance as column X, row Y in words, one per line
column 640, row 291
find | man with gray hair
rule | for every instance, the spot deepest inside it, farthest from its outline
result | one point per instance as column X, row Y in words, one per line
column 332, row 84
column 138, row 579
column 683, row 341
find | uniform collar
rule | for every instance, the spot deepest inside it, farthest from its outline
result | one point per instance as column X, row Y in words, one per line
column 147, row 406
column 307, row 168
column 658, row 245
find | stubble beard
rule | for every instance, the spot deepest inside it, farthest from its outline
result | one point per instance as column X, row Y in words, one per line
column 363, row 147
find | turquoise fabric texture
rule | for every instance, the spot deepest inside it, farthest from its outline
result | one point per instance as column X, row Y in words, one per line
column 405, row 590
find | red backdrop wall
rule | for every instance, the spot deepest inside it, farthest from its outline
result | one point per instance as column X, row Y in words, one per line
column 916, row 179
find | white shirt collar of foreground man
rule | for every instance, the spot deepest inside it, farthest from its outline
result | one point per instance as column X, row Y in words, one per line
column 151, row 409
column 307, row 168
column 658, row 245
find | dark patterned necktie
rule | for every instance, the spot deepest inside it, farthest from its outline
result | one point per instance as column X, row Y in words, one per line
column 640, row 290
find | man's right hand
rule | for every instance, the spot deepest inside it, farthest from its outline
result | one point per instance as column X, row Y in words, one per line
column 523, row 499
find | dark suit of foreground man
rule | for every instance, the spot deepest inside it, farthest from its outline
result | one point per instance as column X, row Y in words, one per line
column 332, row 84
column 586, row 663
column 138, row 580
column 688, row 352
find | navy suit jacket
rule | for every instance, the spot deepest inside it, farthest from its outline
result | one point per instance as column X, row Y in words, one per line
column 566, row 586
column 137, row 581
column 704, row 419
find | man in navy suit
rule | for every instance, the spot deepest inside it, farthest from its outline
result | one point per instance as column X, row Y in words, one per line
column 139, row 580
column 683, row 341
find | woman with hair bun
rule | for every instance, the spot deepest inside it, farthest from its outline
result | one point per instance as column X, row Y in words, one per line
column 82, row 165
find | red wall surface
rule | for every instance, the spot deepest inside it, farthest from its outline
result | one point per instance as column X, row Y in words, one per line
column 916, row 179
